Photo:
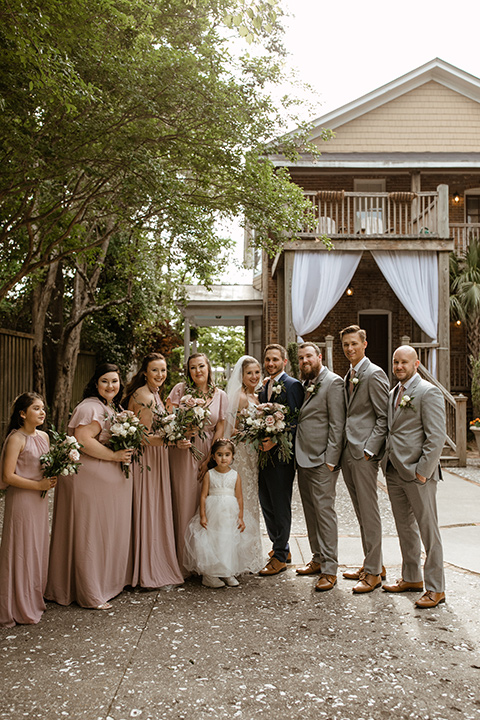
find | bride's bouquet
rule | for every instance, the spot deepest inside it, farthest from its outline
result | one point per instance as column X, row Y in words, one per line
column 267, row 421
column 127, row 432
column 191, row 417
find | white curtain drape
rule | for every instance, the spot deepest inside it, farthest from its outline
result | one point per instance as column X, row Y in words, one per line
column 413, row 276
column 318, row 282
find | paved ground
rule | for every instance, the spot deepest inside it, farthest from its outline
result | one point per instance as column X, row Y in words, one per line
column 272, row 648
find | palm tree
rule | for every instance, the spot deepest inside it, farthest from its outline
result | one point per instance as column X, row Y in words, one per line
column 465, row 306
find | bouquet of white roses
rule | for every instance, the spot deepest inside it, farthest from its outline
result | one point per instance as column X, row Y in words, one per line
column 267, row 421
column 127, row 432
column 63, row 457
column 191, row 416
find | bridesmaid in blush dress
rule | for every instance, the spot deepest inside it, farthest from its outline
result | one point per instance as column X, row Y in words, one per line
column 90, row 547
column 153, row 538
column 185, row 472
column 24, row 549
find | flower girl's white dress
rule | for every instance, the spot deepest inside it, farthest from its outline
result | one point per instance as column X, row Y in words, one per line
column 220, row 549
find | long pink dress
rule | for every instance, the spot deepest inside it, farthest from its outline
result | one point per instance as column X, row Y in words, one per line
column 24, row 549
column 153, row 538
column 90, row 558
column 184, row 468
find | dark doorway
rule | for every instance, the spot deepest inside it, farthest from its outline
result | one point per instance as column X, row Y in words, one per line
column 376, row 327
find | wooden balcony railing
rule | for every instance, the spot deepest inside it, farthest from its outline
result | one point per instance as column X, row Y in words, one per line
column 338, row 212
column 462, row 233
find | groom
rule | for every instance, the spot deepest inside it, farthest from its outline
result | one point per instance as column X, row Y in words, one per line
column 275, row 480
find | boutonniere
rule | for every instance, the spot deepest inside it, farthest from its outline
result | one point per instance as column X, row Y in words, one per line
column 278, row 388
column 313, row 388
column 406, row 403
column 355, row 381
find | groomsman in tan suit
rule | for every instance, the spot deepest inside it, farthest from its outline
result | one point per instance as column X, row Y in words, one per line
column 416, row 424
column 366, row 398
column 318, row 446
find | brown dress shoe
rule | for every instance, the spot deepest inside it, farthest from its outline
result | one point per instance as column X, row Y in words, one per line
column 289, row 556
column 273, row 567
column 326, row 582
column 402, row 585
column 367, row 583
column 430, row 599
column 311, row 568
column 355, row 574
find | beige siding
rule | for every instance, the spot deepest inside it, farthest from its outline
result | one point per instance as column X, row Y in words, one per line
column 431, row 118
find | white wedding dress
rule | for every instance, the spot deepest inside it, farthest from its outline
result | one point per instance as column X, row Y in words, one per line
column 246, row 464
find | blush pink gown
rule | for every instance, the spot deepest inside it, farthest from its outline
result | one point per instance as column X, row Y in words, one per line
column 24, row 549
column 184, row 468
column 90, row 560
column 153, row 537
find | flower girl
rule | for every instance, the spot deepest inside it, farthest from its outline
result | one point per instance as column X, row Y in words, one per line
column 219, row 543
column 24, row 549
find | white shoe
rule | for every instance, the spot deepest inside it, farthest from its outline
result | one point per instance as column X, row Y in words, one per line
column 212, row 582
column 231, row 581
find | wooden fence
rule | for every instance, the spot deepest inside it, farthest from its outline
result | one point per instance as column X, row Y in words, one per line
column 16, row 372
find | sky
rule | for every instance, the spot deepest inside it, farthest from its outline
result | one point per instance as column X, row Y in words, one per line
column 346, row 49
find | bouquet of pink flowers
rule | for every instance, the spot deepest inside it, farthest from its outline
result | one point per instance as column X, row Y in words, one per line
column 190, row 417
column 127, row 432
column 63, row 457
column 267, row 421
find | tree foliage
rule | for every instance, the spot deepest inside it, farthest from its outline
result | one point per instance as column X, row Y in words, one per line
column 128, row 127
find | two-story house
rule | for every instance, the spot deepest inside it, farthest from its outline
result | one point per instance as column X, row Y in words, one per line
column 396, row 190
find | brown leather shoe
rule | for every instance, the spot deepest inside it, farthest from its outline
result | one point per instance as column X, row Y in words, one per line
column 311, row 568
column 402, row 585
column 367, row 583
column 430, row 599
column 289, row 556
column 355, row 574
column 326, row 582
column 273, row 567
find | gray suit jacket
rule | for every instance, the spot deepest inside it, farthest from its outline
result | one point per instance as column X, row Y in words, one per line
column 320, row 423
column 366, row 420
column 417, row 433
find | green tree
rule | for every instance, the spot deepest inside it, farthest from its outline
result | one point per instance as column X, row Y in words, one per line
column 465, row 306
column 128, row 128
column 223, row 345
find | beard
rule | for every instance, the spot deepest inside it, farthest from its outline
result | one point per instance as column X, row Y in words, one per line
column 310, row 373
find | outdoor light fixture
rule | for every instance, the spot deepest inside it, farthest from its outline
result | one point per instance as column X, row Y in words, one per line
column 349, row 290
column 458, row 323
column 456, row 197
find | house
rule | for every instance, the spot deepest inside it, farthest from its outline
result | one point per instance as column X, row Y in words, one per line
column 396, row 190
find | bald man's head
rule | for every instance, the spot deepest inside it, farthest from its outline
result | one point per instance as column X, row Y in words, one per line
column 405, row 363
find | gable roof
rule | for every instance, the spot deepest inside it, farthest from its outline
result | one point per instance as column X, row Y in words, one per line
column 436, row 70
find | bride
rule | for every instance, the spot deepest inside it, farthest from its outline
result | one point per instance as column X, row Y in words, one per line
column 245, row 379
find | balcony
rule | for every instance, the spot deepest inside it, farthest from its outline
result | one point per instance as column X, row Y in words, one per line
column 342, row 214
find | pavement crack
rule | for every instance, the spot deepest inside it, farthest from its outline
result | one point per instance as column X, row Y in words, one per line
column 130, row 659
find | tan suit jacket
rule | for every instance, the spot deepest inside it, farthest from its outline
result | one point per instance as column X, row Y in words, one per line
column 320, row 423
column 417, row 432
column 366, row 411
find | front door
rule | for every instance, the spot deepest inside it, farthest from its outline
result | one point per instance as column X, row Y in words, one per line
column 378, row 350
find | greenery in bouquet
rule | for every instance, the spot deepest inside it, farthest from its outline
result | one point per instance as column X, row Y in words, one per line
column 267, row 421
column 63, row 457
column 127, row 433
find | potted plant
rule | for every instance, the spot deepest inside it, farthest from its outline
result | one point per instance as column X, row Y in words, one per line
column 475, row 428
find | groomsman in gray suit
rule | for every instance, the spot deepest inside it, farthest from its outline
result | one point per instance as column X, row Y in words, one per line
column 318, row 447
column 366, row 397
column 416, row 425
